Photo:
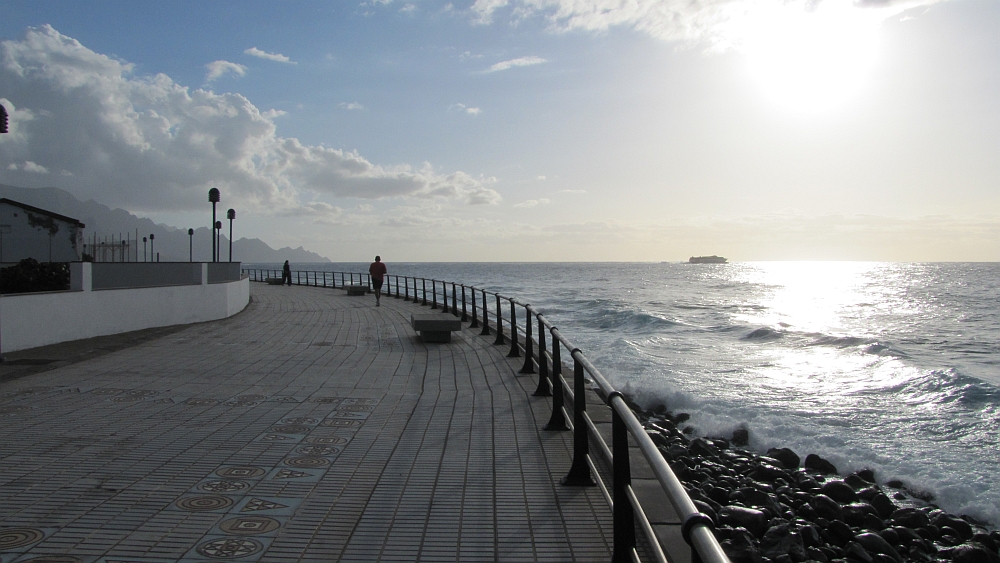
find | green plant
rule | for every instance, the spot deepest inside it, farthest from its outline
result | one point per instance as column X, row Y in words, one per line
column 31, row 275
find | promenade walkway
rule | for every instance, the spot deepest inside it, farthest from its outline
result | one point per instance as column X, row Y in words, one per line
column 313, row 426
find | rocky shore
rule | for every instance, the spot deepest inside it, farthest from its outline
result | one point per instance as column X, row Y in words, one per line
column 780, row 508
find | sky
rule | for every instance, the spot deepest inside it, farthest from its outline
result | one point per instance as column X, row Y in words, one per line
column 523, row 130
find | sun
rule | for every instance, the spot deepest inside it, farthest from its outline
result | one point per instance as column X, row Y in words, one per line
column 807, row 56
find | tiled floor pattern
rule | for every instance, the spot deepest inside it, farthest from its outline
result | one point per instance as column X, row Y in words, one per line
column 311, row 427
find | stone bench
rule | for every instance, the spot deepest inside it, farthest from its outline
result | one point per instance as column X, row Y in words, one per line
column 273, row 281
column 434, row 327
column 356, row 289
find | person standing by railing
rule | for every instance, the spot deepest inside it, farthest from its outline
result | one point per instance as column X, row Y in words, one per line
column 286, row 274
column 378, row 272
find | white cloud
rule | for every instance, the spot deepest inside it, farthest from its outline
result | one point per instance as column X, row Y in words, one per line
column 151, row 144
column 28, row 166
column 522, row 61
column 718, row 23
column 350, row 106
column 572, row 191
column 462, row 108
column 218, row 68
column 533, row 202
column 277, row 57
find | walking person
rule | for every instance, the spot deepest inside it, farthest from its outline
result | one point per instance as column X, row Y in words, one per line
column 378, row 272
column 286, row 274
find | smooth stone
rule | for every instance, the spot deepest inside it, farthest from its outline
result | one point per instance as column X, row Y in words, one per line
column 856, row 482
column 820, row 465
column 740, row 548
column 883, row 505
column 854, row 513
column 810, row 536
column 963, row 528
column 839, row 532
column 874, row 543
column 867, row 475
column 910, row 518
column 853, row 550
column 840, row 492
column 868, row 493
column 754, row 521
column 741, row 437
column 767, row 472
column 973, row 553
column 873, row 523
column 703, row 448
column 815, row 554
column 986, row 540
column 826, row 507
column 780, row 540
column 788, row 458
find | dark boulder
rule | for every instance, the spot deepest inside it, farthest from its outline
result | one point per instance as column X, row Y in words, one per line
column 894, row 484
column 826, row 507
column 986, row 540
column 754, row 521
column 867, row 475
column 839, row 491
column 810, row 536
column 868, row 493
column 838, row 533
column 814, row 554
column 873, row 523
column 766, row 472
column 741, row 437
column 910, row 518
column 703, row 448
column 963, row 528
column 855, row 552
column 854, row 513
column 820, row 465
column 882, row 505
column 874, row 543
column 973, row 553
column 788, row 458
column 740, row 548
column 758, row 498
column 856, row 482
column 779, row 540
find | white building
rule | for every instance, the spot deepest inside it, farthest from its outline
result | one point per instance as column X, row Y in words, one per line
column 30, row 232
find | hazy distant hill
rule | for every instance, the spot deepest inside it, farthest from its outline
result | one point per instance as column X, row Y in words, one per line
column 171, row 242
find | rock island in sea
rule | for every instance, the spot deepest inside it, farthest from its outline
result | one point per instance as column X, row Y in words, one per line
column 782, row 509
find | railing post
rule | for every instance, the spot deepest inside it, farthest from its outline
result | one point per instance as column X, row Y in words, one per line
column 543, row 389
column 515, row 351
column 369, row 277
column 475, row 314
column 454, row 300
column 500, row 339
column 579, row 472
column 424, row 282
column 529, row 349
column 406, row 287
column 624, row 515
column 388, row 285
column 298, row 277
column 465, row 315
column 444, row 297
column 557, row 421
column 486, row 317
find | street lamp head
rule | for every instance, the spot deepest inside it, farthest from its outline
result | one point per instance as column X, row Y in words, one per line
column 218, row 224
column 151, row 236
column 143, row 239
column 213, row 195
column 231, row 214
column 190, row 232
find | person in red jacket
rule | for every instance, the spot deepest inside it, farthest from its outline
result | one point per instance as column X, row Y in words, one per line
column 377, row 271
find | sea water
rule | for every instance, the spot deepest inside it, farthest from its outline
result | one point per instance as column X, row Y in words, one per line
column 888, row 366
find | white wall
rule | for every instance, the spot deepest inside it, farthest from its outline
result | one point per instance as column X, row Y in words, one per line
column 28, row 320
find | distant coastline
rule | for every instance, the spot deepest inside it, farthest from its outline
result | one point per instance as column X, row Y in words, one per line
column 713, row 259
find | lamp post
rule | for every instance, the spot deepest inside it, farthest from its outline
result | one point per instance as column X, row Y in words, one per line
column 151, row 253
column 214, row 197
column 231, row 214
column 190, row 245
column 218, row 244
column 144, row 258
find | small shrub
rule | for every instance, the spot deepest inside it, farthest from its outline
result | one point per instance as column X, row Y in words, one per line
column 31, row 275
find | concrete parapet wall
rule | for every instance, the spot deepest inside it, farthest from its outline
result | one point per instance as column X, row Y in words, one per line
column 28, row 320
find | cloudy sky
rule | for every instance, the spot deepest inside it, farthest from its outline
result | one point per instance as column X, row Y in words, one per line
column 522, row 130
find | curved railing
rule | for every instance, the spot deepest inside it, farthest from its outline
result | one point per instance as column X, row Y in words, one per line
column 696, row 527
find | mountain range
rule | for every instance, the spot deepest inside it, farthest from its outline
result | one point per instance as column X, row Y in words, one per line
column 171, row 243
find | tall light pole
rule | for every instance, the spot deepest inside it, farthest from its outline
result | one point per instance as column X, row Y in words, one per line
column 218, row 244
column 151, row 253
column 190, row 245
column 214, row 197
column 231, row 214
column 144, row 258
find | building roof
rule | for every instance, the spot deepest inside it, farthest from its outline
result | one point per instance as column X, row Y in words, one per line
column 34, row 209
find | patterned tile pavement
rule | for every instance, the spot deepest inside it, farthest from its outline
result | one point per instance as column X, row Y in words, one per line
column 311, row 427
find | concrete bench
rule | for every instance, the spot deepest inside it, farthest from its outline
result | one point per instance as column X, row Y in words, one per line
column 434, row 327
column 356, row 289
column 273, row 281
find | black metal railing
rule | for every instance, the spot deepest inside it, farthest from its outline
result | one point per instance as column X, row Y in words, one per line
column 696, row 527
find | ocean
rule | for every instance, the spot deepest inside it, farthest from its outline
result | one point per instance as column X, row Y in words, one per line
column 893, row 367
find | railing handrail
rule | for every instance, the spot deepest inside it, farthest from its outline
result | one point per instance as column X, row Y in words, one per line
column 696, row 527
